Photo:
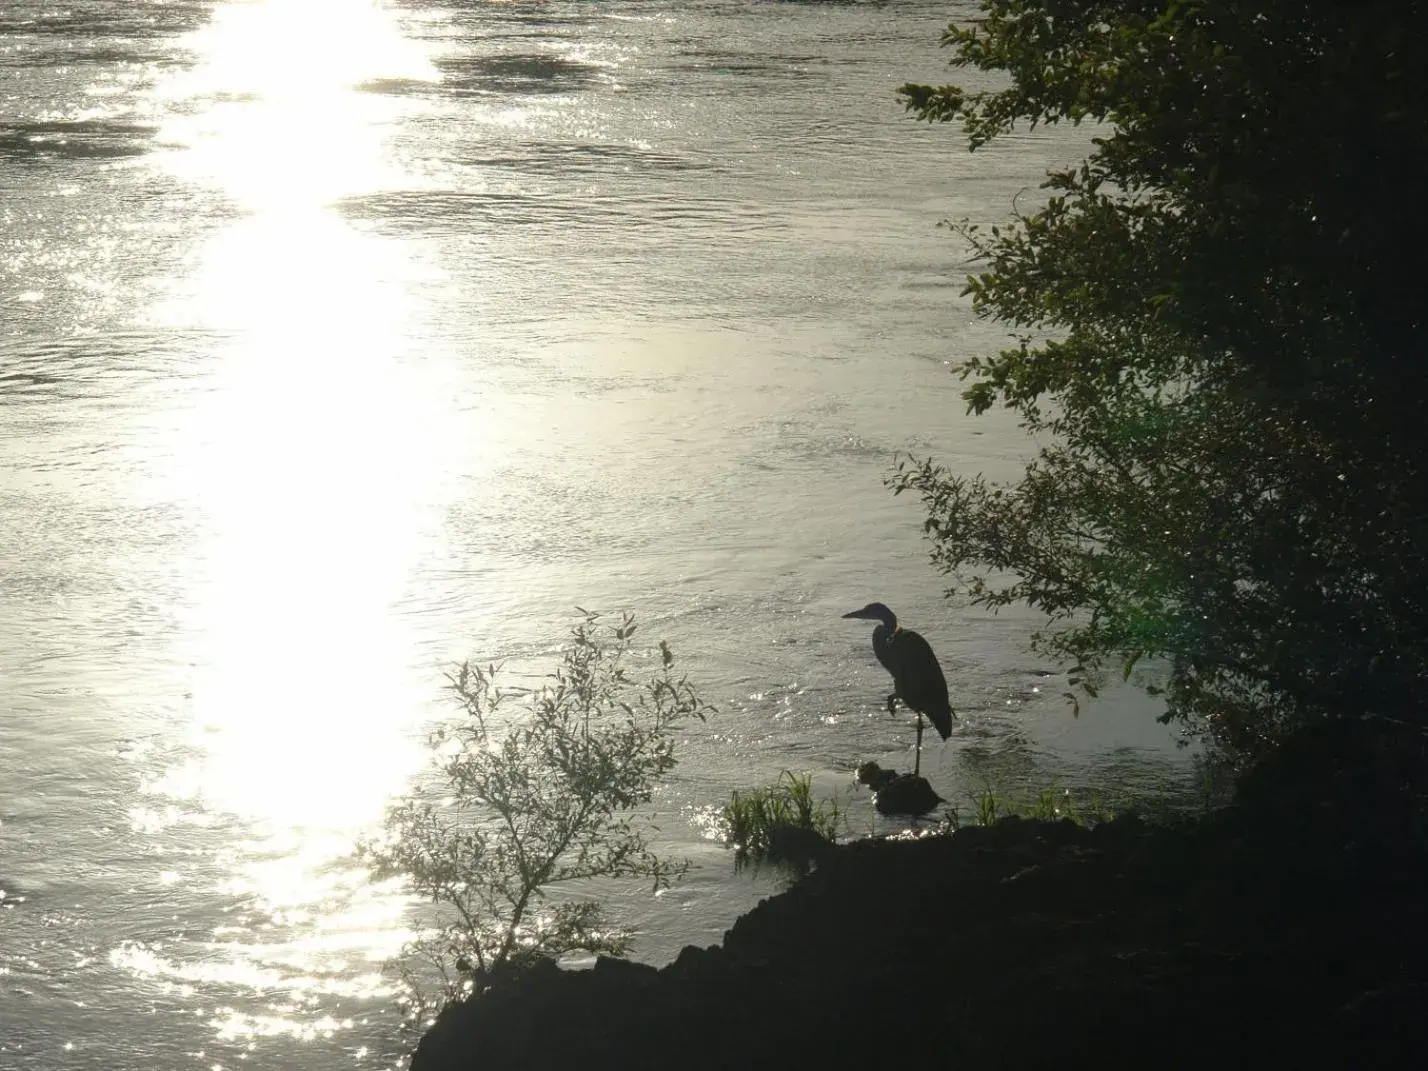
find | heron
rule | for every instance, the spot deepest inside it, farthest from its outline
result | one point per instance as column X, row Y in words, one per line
column 917, row 678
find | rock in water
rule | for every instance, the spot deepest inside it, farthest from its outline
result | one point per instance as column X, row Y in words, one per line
column 906, row 794
column 874, row 776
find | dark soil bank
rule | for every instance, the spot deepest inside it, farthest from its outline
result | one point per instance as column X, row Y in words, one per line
column 1285, row 931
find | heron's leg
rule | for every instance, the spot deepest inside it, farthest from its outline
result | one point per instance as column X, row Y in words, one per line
column 892, row 704
column 917, row 760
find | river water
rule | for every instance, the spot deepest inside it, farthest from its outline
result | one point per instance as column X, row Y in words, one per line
column 342, row 340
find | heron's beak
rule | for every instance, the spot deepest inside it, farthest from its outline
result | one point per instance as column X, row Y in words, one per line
column 856, row 613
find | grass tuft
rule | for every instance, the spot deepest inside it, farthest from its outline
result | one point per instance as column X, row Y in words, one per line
column 782, row 823
column 989, row 805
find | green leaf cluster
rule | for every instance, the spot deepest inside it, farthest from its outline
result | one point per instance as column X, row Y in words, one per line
column 1218, row 325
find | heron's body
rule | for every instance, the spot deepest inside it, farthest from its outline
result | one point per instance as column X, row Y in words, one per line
column 917, row 676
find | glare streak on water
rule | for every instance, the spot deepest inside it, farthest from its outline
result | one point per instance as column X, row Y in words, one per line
column 343, row 340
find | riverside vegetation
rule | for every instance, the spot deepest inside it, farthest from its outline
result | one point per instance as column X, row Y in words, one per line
column 1219, row 336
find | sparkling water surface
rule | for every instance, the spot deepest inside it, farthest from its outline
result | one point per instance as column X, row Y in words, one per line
column 343, row 340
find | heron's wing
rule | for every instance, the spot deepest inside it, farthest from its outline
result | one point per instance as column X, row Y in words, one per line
column 920, row 683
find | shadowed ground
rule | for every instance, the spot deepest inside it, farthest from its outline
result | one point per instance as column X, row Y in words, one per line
column 1287, row 930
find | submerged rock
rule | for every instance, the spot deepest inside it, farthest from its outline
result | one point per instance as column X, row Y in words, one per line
column 896, row 793
column 906, row 794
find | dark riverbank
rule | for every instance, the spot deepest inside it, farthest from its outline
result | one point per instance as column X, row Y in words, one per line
column 1285, row 930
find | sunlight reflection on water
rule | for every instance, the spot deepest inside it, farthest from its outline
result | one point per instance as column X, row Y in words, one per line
column 308, row 451
column 271, row 112
column 308, row 455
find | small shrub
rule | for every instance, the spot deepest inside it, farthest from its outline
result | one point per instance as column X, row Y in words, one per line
column 534, row 799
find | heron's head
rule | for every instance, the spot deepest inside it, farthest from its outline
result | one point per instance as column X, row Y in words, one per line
column 876, row 611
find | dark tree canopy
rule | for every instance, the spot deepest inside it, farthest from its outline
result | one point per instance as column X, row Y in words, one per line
column 1219, row 326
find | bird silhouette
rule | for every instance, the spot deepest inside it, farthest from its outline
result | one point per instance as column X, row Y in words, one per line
column 917, row 677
